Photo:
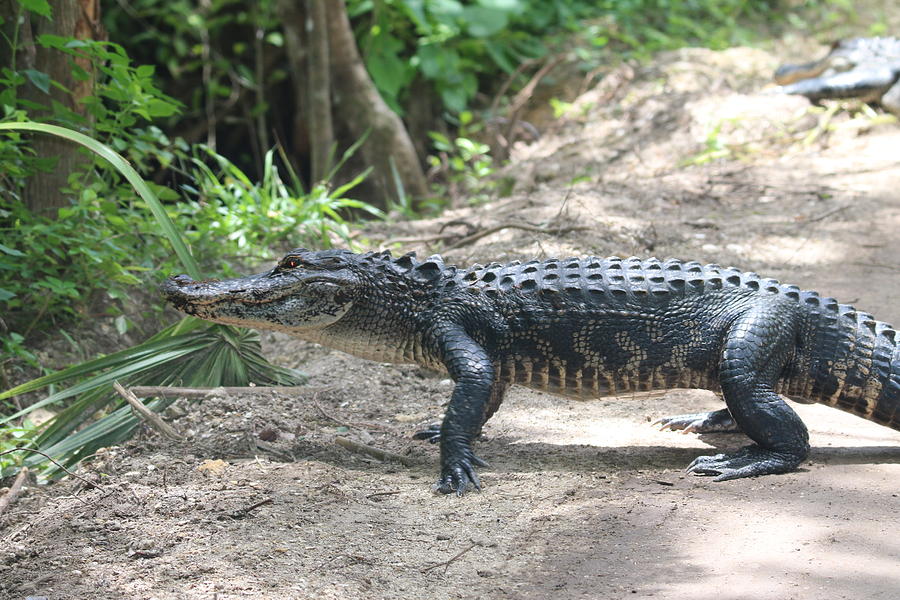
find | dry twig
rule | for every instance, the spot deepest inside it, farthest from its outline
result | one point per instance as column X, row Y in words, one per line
column 328, row 416
column 382, row 494
column 524, row 226
column 446, row 564
column 372, row 451
column 142, row 391
column 13, row 492
column 243, row 512
column 826, row 214
column 524, row 95
column 347, row 424
column 48, row 457
column 148, row 416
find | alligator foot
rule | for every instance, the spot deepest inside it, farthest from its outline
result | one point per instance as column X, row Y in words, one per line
column 431, row 434
column 459, row 475
column 717, row 421
column 746, row 462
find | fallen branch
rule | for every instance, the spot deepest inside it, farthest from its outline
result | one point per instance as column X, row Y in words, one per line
column 372, row 451
column 382, row 494
column 330, row 417
column 877, row 265
column 148, row 416
column 446, row 564
column 145, row 391
column 501, row 93
column 422, row 240
column 826, row 214
column 13, row 492
column 523, row 226
column 243, row 512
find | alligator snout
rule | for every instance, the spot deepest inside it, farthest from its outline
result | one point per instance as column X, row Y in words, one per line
column 179, row 280
column 183, row 287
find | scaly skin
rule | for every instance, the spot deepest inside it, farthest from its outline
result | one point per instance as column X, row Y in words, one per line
column 864, row 68
column 584, row 328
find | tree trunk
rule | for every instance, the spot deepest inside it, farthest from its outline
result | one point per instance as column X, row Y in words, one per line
column 359, row 105
column 293, row 18
column 321, row 132
column 79, row 19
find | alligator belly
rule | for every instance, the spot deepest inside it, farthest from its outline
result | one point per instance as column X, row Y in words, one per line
column 586, row 382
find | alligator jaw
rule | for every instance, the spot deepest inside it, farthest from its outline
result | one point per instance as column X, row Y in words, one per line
column 787, row 74
column 289, row 302
column 182, row 290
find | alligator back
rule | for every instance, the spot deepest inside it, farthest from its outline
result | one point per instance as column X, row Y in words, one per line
column 668, row 319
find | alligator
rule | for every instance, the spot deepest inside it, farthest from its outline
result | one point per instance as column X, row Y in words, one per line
column 864, row 68
column 584, row 328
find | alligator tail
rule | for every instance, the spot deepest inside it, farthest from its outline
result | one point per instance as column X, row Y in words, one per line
column 847, row 360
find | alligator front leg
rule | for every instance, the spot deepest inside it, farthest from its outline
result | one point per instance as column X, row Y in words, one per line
column 472, row 370
column 432, row 433
column 757, row 347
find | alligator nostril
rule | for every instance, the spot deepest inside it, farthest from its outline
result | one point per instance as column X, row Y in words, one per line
column 181, row 279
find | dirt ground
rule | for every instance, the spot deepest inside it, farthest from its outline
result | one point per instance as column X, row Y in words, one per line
column 688, row 157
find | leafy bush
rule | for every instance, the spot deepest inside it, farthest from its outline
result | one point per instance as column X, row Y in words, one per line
column 452, row 44
column 464, row 162
column 230, row 215
column 54, row 268
column 191, row 352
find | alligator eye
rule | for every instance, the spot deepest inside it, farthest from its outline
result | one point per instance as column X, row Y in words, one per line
column 290, row 263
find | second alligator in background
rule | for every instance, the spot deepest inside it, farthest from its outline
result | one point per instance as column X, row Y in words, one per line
column 863, row 68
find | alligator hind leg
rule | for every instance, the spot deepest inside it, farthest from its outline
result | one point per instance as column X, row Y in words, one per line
column 756, row 349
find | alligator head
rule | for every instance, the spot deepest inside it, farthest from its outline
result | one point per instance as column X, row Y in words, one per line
column 842, row 56
column 864, row 68
column 845, row 55
column 305, row 291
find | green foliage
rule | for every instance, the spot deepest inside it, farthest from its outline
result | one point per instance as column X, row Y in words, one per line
column 642, row 27
column 461, row 47
column 212, row 54
column 464, row 162
column 454, row 45
column 713, row 148
column 49, row 269
column 15, row 437
column 47, row 259
column 189, row 353
column 233, row 215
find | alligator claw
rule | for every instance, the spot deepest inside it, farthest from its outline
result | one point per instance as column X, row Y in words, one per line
column 749, row 461
column 717, row 421
column 431, row 434
column 458, row 475
column 458, row 478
